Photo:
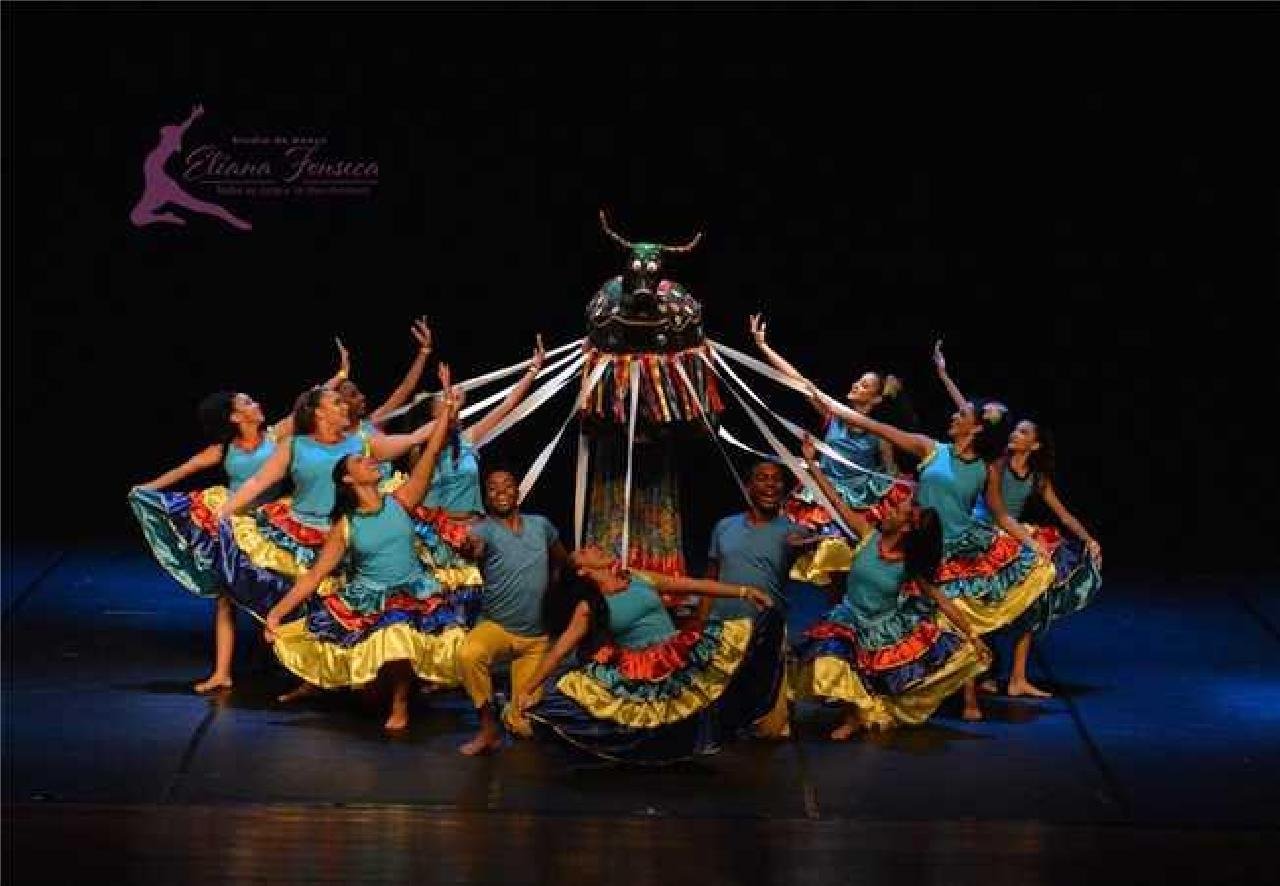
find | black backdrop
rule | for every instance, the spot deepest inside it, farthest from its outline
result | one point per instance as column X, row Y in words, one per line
column 1084, row 202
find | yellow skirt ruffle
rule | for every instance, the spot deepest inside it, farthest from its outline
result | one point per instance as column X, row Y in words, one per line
column 833, row 679
column 434, row 657
column 816, row 567
column 986, row 617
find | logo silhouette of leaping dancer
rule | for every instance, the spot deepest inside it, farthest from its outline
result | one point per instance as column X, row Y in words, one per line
column 160, row 190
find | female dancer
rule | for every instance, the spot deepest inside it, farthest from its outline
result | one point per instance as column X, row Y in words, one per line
column 455, row 487
column 643, row 691
column 1026, row 469
column 390, row 613
column 882, row 652
column 861, row 486
column 180, row 528
column 368, row 423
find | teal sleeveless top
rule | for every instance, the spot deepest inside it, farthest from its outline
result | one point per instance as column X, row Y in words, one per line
column 637, row 617
column 455, row 486
column 951, row 486
column 381, row 544
column 242, row 464
column 863, row 449
column 1016, row 492
column 311, row 468
column 872, row 605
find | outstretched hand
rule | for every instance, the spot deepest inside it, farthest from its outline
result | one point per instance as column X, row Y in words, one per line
column 539, row 354
column 344, row 357
column 758, row 327
column 1095, row 552
column 808, row 448
column 939, row 361
column 421, row 333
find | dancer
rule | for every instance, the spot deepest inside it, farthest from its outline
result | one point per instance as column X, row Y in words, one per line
column 455, row 488
column 179, row 527
column 520, row 556
column 862, row 484
column 755, row 548
column 369, row 423
column 883, row 652
column 389, row 614
column 642, row 691
column 1024, row 471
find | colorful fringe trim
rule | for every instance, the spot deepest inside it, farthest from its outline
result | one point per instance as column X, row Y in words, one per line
column 664, row 398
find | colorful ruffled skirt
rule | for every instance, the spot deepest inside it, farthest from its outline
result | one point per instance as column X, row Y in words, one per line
column 338, row 645
column 992, row 577
column 897, row 673
column 183, row 537
column 1076, row 582
column 833, row 553
column 671, row 701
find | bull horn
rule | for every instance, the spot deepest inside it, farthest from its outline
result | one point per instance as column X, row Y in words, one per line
column 688, row 247
column 604, row 223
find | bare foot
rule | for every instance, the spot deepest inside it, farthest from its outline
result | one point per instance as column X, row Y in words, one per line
column 989, row 687
column 845, row 731
column 214, row 683
column 972, row 714
column 1027, row 688
column 397, row 722
column 483, row 743
column 304, row 690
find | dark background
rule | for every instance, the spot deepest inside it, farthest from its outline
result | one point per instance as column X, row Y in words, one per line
column 1083, row 201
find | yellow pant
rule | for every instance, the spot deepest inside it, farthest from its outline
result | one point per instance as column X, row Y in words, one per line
column 488, row 643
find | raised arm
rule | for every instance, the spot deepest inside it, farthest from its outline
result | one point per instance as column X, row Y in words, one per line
column 940, row 363
column 1074, row 526
column 780, row 363
column 415, row 488
column 271, row 473
column 400, row 396
column 995, row 504
column 917, row 444
column 855, row 521
column 335, row 545
column 206, row 458
column 579, row 624
column 481, row 428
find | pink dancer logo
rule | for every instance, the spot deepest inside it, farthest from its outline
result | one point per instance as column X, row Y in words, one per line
column 160, row 190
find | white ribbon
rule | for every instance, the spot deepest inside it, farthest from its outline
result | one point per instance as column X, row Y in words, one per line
column 580, row 489
column 535, row 470
column 631, row 442
column 795, row 430
column 481, row 380
column 787, row 458
column 693, row 395
column 531, row 403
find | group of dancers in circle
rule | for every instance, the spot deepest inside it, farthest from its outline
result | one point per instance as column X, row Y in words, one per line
column 379, row 558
